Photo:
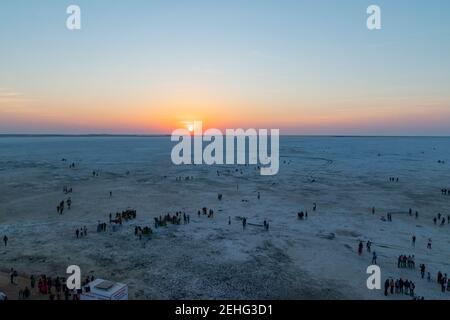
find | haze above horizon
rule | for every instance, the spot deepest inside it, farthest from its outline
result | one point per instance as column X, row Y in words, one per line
column 305, row 67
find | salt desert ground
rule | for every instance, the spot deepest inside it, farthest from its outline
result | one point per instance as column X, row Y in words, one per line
column 314, row 258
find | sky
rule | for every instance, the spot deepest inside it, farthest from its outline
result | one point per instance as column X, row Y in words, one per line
column 150, row 66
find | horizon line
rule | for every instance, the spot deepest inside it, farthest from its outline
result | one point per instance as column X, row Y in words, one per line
column 150, row 135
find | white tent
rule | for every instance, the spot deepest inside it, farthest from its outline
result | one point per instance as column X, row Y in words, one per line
column 100, row 289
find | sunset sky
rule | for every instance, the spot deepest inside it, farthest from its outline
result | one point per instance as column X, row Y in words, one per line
column 306, row 67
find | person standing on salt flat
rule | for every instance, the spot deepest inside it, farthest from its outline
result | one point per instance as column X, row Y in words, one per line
column 374, row 258
column 386, row 287
column 5, row 240
column 422, row 270
column 11, row 275
column 360, row 248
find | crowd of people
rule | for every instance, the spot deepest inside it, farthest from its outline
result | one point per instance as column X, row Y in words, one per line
column 162, row 221
column 123, row 216
column 55, row 288
column 399, row 286
column 405, row 261
column 142, row 231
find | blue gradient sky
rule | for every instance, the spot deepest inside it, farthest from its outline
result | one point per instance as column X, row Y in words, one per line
column 307, row 67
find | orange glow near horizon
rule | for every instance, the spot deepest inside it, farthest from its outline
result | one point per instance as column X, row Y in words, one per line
column 163, row 116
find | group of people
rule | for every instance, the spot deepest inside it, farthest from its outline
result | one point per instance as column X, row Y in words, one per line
column 24, row 294
column 60, row 207
column 399, row 286
column 101, row 226
column 361, row 247
column 393, row 179
column 82, row 232
column 184, row 178
column 369, row 249
column 55, row 288
column 71, row 166
column 405, row 261
column 142, row 231
column 125, row 215
column 389, row 214
column 416, row 214
column 162, row 221
column 46, row 285
column 440, row 218
column 443, row 280
column 67, row 190
column 407, row 287
column 205, row 211
column 445, row 192
column 302, row 215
